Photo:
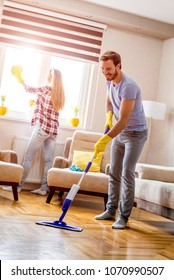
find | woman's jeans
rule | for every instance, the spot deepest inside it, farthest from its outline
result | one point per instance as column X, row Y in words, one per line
column 125, row 151
column 39, row 139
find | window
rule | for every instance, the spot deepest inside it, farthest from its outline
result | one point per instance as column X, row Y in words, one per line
column 15, row 93
column 72, row 72
column 35, row 69
column 57, row 40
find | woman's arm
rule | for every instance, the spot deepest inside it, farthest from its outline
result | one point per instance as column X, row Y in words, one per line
column 34, row 90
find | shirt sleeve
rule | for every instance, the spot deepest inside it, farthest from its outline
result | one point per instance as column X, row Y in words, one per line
column 129, row 92
column 36, row 90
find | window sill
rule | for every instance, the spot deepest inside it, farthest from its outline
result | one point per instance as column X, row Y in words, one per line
column 26, row 119
column 15, row 118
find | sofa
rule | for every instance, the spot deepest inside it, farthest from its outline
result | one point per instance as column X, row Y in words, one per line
column 154, row 189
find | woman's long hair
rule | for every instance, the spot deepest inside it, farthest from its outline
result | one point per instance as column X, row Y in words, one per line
column 58, row 95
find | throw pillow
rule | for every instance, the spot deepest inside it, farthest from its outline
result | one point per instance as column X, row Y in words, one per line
column 81, row 159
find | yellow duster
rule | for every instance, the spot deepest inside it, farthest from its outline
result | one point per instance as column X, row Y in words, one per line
column 17, row 72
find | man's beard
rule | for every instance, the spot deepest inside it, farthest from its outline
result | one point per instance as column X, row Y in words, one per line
column 112, row 77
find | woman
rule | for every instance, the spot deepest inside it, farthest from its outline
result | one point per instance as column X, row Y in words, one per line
column 50, row 100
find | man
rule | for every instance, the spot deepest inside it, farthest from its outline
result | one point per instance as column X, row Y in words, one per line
column 128, row 136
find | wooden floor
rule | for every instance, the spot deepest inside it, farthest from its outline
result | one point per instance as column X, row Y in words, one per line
column 148, row 236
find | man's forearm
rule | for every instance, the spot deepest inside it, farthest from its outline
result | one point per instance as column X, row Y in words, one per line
column 117, row 128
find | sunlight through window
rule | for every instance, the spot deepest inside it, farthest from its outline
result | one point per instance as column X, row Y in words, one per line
column 35, row 69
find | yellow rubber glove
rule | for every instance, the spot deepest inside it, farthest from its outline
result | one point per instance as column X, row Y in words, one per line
column 17, row 71
column 101, row 144
column 20, row 79
column 108, row 120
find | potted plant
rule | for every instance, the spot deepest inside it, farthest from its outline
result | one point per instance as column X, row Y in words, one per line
column 75, row 119
column 3, row 108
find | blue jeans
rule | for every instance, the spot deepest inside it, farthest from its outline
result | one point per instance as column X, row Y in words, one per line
column 125, row 151
column 39, row 139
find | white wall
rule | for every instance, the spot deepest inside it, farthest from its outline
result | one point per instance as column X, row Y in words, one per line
column 10, row 128
column 166, row 80
column 162, row 148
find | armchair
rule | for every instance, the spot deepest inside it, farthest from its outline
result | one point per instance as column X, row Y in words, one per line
column 10, row 171
column 61, row 178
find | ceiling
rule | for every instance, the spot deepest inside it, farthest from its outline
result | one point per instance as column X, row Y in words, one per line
column 147, row 17
column 161, row 10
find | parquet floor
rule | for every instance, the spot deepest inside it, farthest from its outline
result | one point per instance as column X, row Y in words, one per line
column 148, row 236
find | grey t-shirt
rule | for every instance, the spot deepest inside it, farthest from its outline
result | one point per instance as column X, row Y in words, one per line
column 128, row 89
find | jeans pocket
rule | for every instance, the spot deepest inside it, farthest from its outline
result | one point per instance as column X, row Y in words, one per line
column 42, row 133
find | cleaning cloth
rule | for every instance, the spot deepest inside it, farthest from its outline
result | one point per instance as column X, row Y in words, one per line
column 75, row 168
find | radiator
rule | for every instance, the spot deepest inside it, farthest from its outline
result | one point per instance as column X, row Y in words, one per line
column 20, row 143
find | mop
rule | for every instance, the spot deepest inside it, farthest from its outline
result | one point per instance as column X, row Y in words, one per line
column 67, row 202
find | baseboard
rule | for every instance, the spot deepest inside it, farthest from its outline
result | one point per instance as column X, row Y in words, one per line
column 154, row 208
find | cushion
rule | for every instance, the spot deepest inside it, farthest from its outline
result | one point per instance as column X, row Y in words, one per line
column 10, row 172
column 93, row 181
column 155, row 172
column 81, row 159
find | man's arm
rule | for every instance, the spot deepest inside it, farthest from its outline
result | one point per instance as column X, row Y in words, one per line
column 108, row 104
column 109, row 113
column 126, row 109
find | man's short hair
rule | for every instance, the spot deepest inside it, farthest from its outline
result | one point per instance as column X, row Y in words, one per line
column 111, row 55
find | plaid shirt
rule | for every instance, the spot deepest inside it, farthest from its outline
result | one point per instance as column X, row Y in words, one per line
column 44, row 111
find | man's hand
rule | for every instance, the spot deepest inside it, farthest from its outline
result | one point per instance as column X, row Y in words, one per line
column 101, row 144
column 108, row 120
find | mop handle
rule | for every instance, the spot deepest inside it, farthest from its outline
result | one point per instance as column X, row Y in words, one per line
column 107, row 129
column 75, row 188
column 89, row 164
